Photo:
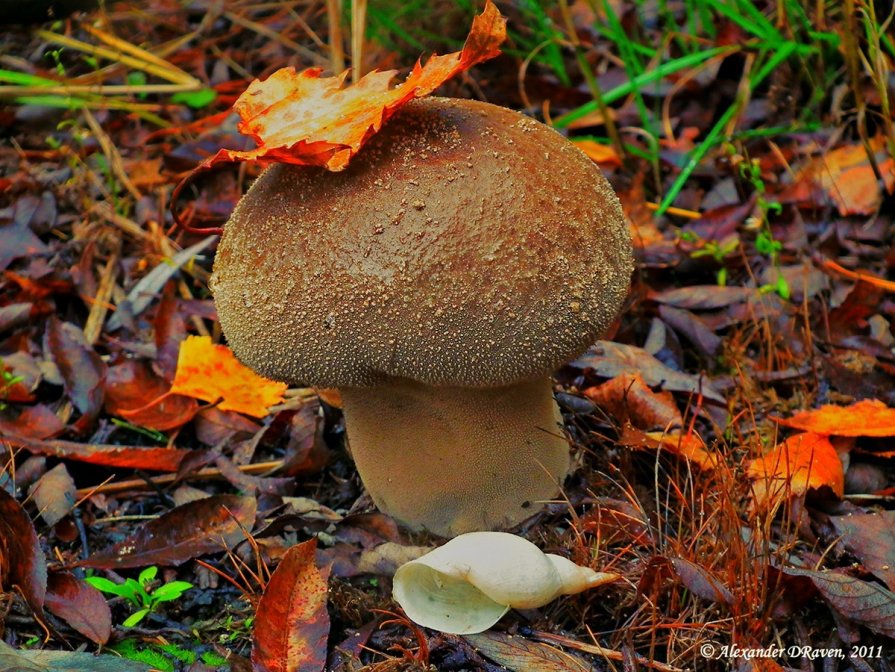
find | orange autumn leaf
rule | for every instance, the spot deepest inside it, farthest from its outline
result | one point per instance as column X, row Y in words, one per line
column 601, row 154
column 305, row 119
column 869, row 417
column 803, row 462
column 688, row 446
column 848, row 178
column 211, row 372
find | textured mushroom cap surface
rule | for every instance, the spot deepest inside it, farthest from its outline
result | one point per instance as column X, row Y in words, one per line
column 466, row 244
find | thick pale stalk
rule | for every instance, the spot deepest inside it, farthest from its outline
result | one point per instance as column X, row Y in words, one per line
column 454, row 460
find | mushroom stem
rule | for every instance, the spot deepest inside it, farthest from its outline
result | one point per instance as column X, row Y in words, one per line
column 453, row 460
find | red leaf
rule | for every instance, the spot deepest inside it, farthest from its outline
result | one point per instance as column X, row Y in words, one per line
column 83, row 372
column 291, row 623
column 131, row 389
column 131, row 457
column 80, row 605
column 38, row 422
column 22, row 561
column 699, row 581
column 196, row 528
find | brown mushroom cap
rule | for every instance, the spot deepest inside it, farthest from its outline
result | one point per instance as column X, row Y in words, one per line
column 465, row 245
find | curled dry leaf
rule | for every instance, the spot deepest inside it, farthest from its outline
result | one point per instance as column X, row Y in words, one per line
column 801, row 463
column 80, row 605
column 131, row 457
column 628, row 398
column 518, row 653
column 204, row 526
column 22, row 561
column 869, row 417
column 689, row 446
column 291, row 622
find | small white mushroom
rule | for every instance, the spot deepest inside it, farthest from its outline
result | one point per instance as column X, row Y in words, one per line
column 467, row 585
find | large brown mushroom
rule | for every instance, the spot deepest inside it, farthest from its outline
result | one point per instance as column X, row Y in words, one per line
column 437, row 282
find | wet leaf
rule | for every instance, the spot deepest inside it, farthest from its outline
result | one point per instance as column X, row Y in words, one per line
column 869, row 537
column 517, row 653
column 211, row 372
column 865, row 603
column 305, row 119
column 801, row 463
column 83, row 372
column 193, row 529
column 54, row 494
column 291, row 622
column 135, row 393
column 80, row 605
column 22, row 561
column 869, row 417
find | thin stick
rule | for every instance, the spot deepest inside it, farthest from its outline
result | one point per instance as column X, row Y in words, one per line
column 209, row 474
column 358, row 28
column 336, row 48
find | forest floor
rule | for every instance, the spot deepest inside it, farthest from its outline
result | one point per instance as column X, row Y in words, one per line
column 732, row 433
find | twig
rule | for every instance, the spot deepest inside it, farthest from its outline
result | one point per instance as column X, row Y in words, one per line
column 208, row 474
column 610, row 654
column 829, row 266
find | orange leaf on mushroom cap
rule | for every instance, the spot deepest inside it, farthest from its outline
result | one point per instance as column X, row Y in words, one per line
column 869, row 417
column 211, row 372
column 305, row 119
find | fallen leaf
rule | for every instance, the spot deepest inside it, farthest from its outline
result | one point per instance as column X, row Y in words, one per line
column 627, row 398
column 869, row 417
column 869, row 537
column 604, row 155
column 38, row 422
column 518, row 653
column 135, row 393
column 689, row 446
column 54, row 494
column 83, row 372
column 131, row 457
column 291, row 622
column 305, row 119
column 204, row 526
column 801, row 463
column 865, row 603
column 846, row 176
column 609, row 359
column 211, row 372
column 80, row 605
column 22, row 561
column 703, row 297
column 701, row 582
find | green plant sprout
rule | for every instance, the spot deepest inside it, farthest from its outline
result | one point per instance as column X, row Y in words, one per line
column 137, row 592
column 7, row 380
column 765, row 243
column 717, row 250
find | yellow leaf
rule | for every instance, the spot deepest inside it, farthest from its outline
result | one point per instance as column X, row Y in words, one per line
column 211, row 372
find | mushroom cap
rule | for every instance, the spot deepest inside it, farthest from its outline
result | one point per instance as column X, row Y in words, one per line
column 467, row 244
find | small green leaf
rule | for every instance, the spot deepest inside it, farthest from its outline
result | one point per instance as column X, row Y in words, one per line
column 170, row 591
column 195, row 99
column 135, row 618
column 148, row 575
